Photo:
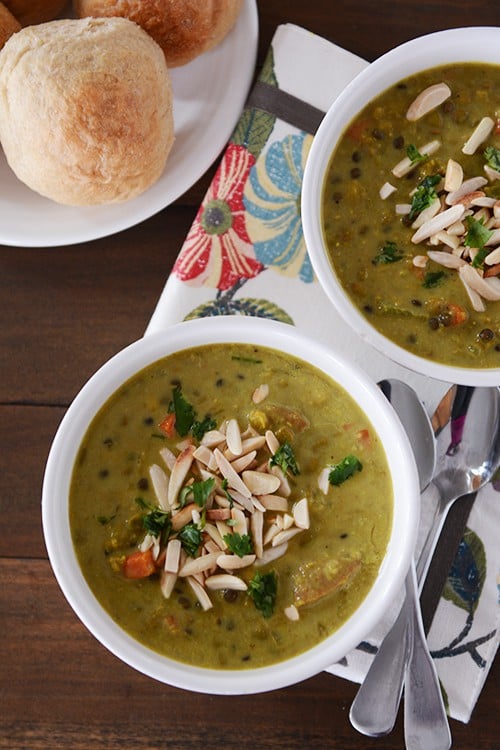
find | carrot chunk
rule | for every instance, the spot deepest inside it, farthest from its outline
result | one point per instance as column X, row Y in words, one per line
column 167, row 425
column 139, row 564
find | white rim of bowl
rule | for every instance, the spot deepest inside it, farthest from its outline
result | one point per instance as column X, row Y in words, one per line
column 479, row 44
column 58, row 475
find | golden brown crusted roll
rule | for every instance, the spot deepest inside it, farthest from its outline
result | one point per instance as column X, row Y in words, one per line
column 35, row 11
column 184, row 29
column 8, row 24
column 85, row 109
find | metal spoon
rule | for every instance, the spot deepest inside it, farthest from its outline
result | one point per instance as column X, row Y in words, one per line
column 415, row 652
column 468, row 448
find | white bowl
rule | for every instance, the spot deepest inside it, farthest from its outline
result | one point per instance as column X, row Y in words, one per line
column 57, row 483
column 477, row 44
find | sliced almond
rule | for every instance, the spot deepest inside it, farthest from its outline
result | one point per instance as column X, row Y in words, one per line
column 260, row 393
column 159, row 481
column 182, row 517
column 213, row 438
column 478, row 136
column 260, row 483
column 272, row 442
column 445, row 259
column 386, row 190
column 405, row 166
column 285, row 536
column 427, row 100
column 233, row 562
column 493, row 257
column 200, row 594
column 167, row 583
column 214, row 534
column 243, row 462
column 168, row 457
column 256, row 527
column 196, row 565
column 222, row 581
column 300, row 512
column 240, row 523
column 179, row 473
column 271, row 553
column 219, row 514
column 227, row 471
column 284, row 488
column 427, row 213
column 173, row 556
column 233, row 437
column 323, row 483
column 484, row 287
column 274, row 502
column 437, row 223
column 292, row 613
column 454, row 176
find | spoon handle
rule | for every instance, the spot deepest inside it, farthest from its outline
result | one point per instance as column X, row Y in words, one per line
column 425, row 720
column 375, row 707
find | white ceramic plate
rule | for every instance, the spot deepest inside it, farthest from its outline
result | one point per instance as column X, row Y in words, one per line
column 209, row 94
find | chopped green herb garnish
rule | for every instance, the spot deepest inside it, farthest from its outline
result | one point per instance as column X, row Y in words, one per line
column 424, row 195
column 239, row 544
column 103, row 520
column 414, row 154
column 184, row 412
column 285, row 459
column 199, row 492
column 433, row 279
column 190, row 536
column 492, row 156
column 344, row 469
column 477, row 236
column 199, row 428
column 389, row 253
column 157, row 521
column 262, row 589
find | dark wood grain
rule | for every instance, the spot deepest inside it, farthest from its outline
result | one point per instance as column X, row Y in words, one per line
column 65, row 311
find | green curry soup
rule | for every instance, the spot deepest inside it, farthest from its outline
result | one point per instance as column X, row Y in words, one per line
column 435, row 293
column 177, row 548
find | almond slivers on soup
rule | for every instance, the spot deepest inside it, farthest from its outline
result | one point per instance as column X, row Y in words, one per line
column 411, row 214
column 230, row 506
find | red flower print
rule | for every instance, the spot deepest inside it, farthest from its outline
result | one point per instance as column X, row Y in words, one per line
column 217, row 251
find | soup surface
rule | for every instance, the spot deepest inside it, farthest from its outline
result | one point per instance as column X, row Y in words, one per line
column 432, row 288
column 230, row 567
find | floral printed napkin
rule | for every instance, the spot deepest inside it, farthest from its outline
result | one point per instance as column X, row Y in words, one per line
column 245, row 254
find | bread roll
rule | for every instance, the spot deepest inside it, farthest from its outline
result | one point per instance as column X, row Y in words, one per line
column 35, row 11
column 8, row 24
column 85, row 109
column 184, row 29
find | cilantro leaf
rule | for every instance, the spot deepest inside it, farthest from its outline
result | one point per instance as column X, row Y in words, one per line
column 433, row 279
column 414, row 154
column 389, row 253
column 424, row 195
column 262, row 589
column 344, row 469
column 492, row 156
column 184, row 412
column 477, row 234
column 285, row 459
column 199, row 428
column 157, row 521
column 239, row 544
column 190, row 536
column 200, row 492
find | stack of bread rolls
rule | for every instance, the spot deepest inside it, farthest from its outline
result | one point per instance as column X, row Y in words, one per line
column 86, row 106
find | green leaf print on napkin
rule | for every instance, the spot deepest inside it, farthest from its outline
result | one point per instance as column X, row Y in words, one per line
column 255, row 126
column 225, row 304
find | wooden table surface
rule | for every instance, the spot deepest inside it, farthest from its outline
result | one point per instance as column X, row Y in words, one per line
column 64, row 312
